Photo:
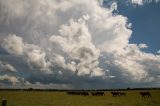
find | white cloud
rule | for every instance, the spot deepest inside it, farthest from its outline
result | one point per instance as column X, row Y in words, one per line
column 38, row 85
column 32, row 53
column 6, row 67
column 13, row 44
column 36, row 59
column 139, row 2
column 75, row 41
column 136, row 65
column 158, row 51
column 142, row 46
column 11, row 79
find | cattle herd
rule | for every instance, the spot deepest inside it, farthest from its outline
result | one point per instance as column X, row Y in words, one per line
column 101, row 93
column 84, row 93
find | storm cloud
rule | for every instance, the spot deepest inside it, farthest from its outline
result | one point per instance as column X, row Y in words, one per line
column 71, row 44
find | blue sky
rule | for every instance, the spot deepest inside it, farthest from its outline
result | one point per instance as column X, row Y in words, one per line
column 145, row 23
column 79, row 44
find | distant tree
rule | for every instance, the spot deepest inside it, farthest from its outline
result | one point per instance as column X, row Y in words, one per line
column 128, row 88
column 30, row 89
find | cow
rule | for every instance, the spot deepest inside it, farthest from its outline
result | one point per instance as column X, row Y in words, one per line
column 78, row 93
column 84, row 93
column 114, row 94
column 97, row 93
column 73, row 93
column 145, row 94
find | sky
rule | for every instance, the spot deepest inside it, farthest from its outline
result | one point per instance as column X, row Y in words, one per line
column 79, row 44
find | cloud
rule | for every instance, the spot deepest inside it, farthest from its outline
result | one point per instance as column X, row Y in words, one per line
column 132, row 2
column 142, row 46
column 135, row 66
column 13, row 44
column 6, row 67
column 70, row 44
column 158, row 51
column 9, row 79
column 141, row 2
column 75, row 41
column 36, row 59
column 38, row 85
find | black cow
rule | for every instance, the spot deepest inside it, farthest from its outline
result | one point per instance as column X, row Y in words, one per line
column 85, row 93
column 115, row 94
column 145, row 94
column 73, row 93
column 98, row 93
column 78, row 93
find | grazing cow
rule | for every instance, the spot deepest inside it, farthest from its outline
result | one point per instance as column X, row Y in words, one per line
column 73, row 93
column 97, row 93
column 118, row 94
column 145, row 94
column 85, row 93
column 78, row 93
column 115, row 94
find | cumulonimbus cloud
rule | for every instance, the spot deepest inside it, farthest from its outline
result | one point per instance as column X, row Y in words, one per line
column 73, row 43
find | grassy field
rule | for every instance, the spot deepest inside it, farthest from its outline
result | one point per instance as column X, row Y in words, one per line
column 35, row 98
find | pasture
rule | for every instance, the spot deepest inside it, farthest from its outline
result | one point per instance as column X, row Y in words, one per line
column 45, row 98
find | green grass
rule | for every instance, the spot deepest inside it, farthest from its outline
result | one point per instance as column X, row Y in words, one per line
column 35, row 98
